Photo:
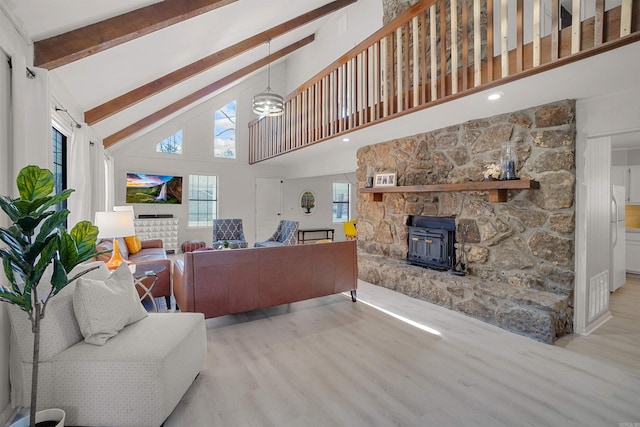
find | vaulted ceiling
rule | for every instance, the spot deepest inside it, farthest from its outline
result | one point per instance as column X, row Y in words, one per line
column 130, row 63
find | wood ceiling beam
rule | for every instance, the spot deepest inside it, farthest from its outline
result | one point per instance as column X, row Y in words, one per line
column 205, row 91
column 71, row 46
column 128, row 99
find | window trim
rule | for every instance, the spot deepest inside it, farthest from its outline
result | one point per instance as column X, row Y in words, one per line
column 347, row 202
column 189, row 200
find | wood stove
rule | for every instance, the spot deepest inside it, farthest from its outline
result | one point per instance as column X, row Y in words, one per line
column 431, row 241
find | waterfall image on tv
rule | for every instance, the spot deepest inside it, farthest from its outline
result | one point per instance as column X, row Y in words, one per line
column 147, row 188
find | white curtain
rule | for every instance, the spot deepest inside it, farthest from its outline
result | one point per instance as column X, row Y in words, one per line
column 98, row 176
column 31, row 116
column 6, row 178
column 109, row 180
column 79, row 177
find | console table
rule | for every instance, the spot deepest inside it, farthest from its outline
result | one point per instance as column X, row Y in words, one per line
column 328, row 234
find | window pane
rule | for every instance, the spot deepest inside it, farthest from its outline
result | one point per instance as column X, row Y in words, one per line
column 203, row 203
column 224, row 131
column 171, row 145
column 340, row 202
column 59, row 146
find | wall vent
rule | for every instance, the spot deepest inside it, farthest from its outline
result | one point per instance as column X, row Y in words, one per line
column 598, row 295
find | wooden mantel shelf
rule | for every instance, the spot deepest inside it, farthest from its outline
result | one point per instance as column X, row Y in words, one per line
column 497, row 189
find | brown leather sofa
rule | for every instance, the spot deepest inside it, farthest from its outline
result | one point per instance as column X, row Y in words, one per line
column 223, row 282
column 152, row 252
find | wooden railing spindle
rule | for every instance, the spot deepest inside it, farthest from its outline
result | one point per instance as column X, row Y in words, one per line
column 465, row 45
column 625, row 17
column 422, row 54
column 504, row 29
column 555, row 30
column 477, row 44
column 575, row 27
column 406, row 92
column 454, row 45
column 536, row 33
column 415, row 55
column 434, row 55
column 598, row 26
column 519, row 36
column 489, row 40
column 443, row 49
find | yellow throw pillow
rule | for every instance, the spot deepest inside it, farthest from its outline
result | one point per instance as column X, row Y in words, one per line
column 133, row 244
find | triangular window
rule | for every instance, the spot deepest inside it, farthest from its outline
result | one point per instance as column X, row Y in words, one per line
column 171, row 145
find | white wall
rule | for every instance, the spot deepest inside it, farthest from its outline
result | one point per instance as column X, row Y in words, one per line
column 626, row 157
column 322, row 188
column 341, row 32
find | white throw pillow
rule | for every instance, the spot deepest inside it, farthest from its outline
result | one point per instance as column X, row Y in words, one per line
column 104, row 307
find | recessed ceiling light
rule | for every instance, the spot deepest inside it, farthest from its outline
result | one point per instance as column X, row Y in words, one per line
column 494, row 96
column 345, row 139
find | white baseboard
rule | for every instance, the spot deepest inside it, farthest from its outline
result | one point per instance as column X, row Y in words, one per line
column 595, row 325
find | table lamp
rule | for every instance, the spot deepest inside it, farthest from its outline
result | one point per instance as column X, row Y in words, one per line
column 114, row 225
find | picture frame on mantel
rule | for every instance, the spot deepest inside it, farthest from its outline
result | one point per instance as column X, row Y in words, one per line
column 385, row 179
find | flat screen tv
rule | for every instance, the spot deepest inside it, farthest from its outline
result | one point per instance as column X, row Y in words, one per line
column 148, row 188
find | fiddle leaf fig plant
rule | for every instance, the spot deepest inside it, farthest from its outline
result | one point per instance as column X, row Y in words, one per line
column 37, row 240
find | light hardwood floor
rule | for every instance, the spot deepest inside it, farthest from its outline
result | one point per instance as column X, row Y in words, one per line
column 618, row 340
column 330, row 362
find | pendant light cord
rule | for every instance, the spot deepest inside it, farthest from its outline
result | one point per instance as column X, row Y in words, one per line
column 269, row 65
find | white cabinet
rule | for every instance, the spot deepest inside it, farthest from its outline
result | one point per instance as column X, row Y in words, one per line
column 634, row 184
column 632, row 257
column 165, row 229
column 620, row 175
column 629, row 176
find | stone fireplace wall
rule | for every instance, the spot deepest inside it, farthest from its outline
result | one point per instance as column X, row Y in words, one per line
column 519, row 254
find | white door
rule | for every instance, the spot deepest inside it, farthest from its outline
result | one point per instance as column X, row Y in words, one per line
column 268, row 207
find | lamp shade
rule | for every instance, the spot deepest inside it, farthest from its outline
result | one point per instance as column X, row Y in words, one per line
column 114, row 224
column 268, row 104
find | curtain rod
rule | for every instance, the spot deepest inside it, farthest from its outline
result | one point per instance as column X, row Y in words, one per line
column 64, row 110
column 30, row 73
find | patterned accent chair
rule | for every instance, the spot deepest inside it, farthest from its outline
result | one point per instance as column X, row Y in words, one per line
column 285, row 235
column 229, row 230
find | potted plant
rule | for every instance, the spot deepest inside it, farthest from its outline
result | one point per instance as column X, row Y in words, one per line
column 36, row 240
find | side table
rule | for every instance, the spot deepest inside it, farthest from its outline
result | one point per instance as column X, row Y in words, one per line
column 144, row 271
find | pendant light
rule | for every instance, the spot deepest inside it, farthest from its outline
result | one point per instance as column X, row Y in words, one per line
column 268, row 103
